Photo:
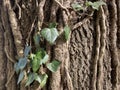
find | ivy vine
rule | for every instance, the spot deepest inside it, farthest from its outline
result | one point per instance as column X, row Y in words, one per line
column 29, row 65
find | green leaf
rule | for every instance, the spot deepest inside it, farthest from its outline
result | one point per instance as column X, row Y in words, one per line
column 95, row 5
column 21, row 76
column 27, row 50
column 38, row 78
column 53, row 66
column 32, row 56
column 42, row 56
column 37, row 39
column 89, row 3
column 45, row 59
column 35, row 64
column 31, row 78
column 67, row 32
column 44, row 78
column 38, row 59
column 16, row 67
column 52, row 25
column 22, row 63
column 50, row 34
column 77, row 6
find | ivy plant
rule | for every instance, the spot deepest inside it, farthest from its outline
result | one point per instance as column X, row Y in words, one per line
column 77, row 7
column 31, row 63
column 34, row 61
column 95, row 5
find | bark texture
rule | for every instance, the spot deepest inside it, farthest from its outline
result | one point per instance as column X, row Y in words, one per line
column 90, row 58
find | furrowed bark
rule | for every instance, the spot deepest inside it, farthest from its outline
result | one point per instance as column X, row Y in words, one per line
column 113, row 45
column 96, row 58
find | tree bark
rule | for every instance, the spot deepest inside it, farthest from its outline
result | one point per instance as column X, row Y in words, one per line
column 90, row 58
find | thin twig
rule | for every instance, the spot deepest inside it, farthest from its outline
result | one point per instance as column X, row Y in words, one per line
column 11, row 76
column 5, row 49
column 60, row 4
column 64, row 8
column 79, row 24
column 9, row 58
column 31, row 30
column 16, row 2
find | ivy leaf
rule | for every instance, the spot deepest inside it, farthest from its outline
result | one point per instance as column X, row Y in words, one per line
column 40, row 54
column 52, row 25
column 37, row 78
column 37, row 39
column 31, row 78
column 32, row 56
column 45, row 59
column 21, row 63
column 77, row 7
column 50, row 34
column 16, row 68
column 27, row 50
column 95, row 5
column 67, row 32
column 89, row 3
column 53, row 66
column 37, row 59
column 44, row 78
column 21, row 76
column 35, row 64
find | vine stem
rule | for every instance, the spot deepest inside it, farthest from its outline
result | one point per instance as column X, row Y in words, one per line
column 102, row 50
column 94, row 77
column 63, row 7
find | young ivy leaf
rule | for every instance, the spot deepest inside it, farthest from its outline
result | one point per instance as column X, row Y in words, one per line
column 45, row 59
column 31, row 78
column 21, row 63
column 32, row 56
column 67, row 32
column 52, row 25
column 37, row 39
column 37, row 78
column 77, row 7
column 50, row 34
column 89, row 3
column 27, row 50
column 42, row 57
column 44, row 78
column 21, row 76
column 35, row 64
column 95, row 5
column 16, row 67
column 53, row 66
column 36, row 59
column 40, row 54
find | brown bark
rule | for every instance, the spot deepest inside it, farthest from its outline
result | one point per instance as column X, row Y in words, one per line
column 90, row 59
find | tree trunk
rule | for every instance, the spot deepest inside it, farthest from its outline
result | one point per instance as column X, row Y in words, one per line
column 90, row 58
